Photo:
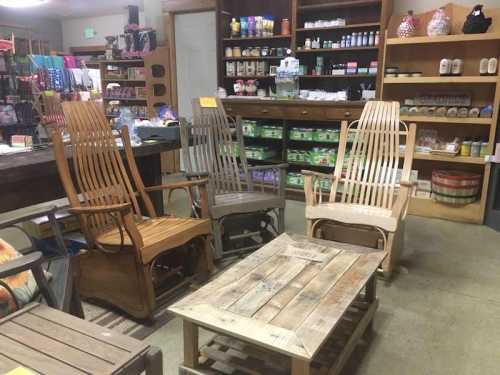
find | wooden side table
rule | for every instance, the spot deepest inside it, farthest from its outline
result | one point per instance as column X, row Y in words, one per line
column 296, row 306
column 48, row 341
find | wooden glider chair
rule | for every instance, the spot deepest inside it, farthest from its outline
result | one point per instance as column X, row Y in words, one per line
column 123, row 246
column 209, row 150
column 364, row 189
column 59, row 292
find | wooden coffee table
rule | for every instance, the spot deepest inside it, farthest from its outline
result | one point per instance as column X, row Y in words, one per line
column 47, row 341
column 296, row 306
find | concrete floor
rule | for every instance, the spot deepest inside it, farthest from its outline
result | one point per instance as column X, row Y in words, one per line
column 440, row 315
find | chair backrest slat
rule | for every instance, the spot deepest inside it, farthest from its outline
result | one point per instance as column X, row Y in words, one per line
column 368, row 169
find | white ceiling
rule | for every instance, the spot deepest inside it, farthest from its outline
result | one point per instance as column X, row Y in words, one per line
column 75, row 8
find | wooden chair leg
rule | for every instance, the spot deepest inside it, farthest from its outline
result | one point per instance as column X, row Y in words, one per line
column 309, row 226
column 154, row 362
column 389, row 261
column 205, row 264
column 281, row 220
column 218, row 239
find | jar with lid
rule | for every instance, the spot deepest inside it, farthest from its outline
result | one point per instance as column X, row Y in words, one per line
column 229, row 52
column 285, row 26
column 235, row 28
column 465, row 149
column 307, row 44
column 457, row 67
column 475, row 150
column 484, row 149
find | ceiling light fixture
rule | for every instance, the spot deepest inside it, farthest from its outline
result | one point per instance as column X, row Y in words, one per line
column 21, row 3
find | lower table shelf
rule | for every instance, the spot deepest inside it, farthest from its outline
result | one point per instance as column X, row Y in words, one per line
column 471, row 213
column 225, row 355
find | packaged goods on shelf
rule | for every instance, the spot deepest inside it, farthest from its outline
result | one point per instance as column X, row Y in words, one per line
column 259, row 152
column 326, row 135
column 295, row 179
column 271, row 131
column 251, row 129
column 301, row 134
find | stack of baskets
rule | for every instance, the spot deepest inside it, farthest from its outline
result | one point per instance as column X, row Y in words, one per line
column 455, row 187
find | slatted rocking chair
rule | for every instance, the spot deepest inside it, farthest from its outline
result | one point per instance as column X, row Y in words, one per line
column 51, row 113
column 123, row 247
column 364, row 190
column 209, row 150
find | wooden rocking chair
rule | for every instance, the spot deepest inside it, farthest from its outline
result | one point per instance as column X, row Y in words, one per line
column 209, row 150
column 123, row 246
column 51, row 113
column 364, row 189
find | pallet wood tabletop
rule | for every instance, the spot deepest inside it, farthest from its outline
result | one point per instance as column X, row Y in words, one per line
column 287, row 297
column 47, row 341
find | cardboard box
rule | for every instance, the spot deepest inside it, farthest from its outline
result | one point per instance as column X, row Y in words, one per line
column 40, row 228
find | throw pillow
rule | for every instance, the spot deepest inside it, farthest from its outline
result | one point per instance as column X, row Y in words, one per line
column 23, row 287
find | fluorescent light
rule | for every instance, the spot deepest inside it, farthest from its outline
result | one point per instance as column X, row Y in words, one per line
column 21, row 3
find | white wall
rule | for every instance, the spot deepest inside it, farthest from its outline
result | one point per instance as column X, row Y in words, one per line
column 196, row 58
column 43, row 28
column 73, row 29
column 419, row 6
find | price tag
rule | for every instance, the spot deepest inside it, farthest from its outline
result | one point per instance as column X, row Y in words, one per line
column 208, row 102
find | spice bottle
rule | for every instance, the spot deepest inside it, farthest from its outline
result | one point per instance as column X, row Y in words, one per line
column 359, row 42
column 371, row 39
column 365, row 39
column 377, row 38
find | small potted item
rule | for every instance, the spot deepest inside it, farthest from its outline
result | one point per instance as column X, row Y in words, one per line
column 476, row 22
column 408, row 26
column 440, row 24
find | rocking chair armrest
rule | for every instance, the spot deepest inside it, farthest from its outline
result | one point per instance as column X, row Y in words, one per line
column 317, row 174
column 21, row 264
column 401, row 203
column 408, row 184
column 269, row 166
column 122, row 207
column 178, row 185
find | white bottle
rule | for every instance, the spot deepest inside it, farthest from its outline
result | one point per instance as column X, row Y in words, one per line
column 457, row 67
column 307, row 44
column 371, row 39
column 445, row 67
column 492, row 66
column 483, row 66
column 377, row 38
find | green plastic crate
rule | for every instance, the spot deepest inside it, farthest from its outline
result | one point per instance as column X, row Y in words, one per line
column 298, row 156
column 326, row 135
column 250, row 129
column 323, row 156
column 259, row 153
column 301, row 134
column 270, row 131
column 295, row 179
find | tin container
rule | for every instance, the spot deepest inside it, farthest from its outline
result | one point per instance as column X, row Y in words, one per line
column 236, row 52
column 465, row 149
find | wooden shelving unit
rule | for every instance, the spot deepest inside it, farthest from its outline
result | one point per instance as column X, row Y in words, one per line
column 360, row 15
column 156, row 81
column 423, row 54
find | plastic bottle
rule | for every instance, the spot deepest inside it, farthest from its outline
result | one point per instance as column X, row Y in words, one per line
column 371, row 39
column 365, row 39
column 359, row 42
column 377, row 38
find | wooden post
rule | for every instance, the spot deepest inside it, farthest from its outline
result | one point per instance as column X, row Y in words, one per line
column 300, row 367
column 191, row 350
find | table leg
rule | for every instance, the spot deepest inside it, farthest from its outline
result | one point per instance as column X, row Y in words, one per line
column 300, row 367
column 370, row 297
column 154, row 362
column 191, row 349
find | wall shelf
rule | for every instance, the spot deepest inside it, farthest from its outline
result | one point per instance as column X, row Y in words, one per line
column 337, row 5
column 332, row 28
column 247, row 58
column 443, row 80
column 253, row 38
column 447, row 120
column 345, row 76
column 330, row 50
column 457, row 38
column 424, row 53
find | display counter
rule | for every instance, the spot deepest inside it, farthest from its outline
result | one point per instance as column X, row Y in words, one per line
column 32, row 177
